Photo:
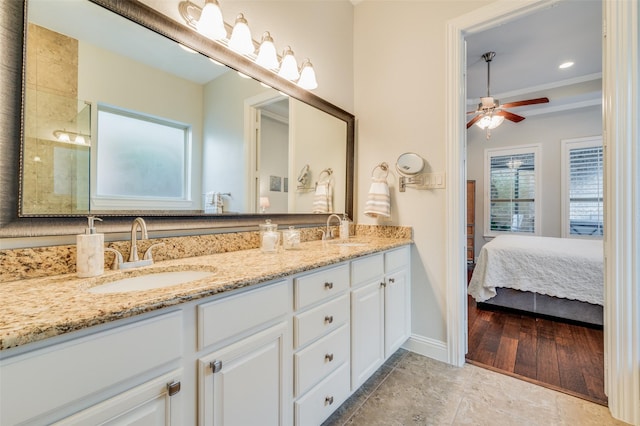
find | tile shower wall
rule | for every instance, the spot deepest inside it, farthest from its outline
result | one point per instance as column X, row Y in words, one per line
column 50, row 167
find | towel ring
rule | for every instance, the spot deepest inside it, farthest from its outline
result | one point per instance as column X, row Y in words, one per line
column 382, row 166
column 328, row 172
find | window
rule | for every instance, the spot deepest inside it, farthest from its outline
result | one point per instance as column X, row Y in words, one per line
column 511, row 190
column 141, row 159
column 582, row 187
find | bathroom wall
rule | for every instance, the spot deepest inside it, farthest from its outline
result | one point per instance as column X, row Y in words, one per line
column 399, row 97
column 116, row 80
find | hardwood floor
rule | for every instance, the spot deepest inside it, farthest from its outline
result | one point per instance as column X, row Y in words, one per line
column 558, row 355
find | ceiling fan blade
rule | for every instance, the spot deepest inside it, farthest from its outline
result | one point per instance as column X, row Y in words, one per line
column 473, row 120
column 527, row 102
column 510, row 116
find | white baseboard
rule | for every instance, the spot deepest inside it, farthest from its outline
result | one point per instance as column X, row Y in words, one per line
column 425, row 346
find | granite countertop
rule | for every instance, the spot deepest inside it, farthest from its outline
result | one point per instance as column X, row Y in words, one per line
column 39, row 308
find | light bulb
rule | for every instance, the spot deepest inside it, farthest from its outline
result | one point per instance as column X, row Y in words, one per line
column 267, row 56
column 307, row 76
column 79, row 139
column 211, row 24
column 490, row 121
column 241, row 40
column 289, row 66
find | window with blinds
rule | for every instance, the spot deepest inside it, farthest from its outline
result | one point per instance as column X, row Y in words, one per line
column 585, row 189
column 512, row 191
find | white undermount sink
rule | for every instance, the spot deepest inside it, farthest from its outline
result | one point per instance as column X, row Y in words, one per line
column 150, row 281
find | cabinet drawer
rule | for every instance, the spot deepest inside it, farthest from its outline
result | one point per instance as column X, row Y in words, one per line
column 320, row 320
column 315, row 287
column 319, row 359
column 227, row 317
column 61, row 374
column 397, row 258
column 366, row 269
column 319, row 403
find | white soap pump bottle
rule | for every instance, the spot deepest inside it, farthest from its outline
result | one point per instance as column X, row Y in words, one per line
column 344, row 228
column 90, row 251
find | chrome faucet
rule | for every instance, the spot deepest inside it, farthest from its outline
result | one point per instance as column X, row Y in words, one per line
column 327, row 235
column 138, row 222
column 134, row 259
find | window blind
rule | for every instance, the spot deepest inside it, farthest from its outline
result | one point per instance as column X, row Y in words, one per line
column 512, row 198
column 585, row 191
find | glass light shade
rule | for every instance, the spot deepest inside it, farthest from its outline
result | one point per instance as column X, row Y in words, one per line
column 267, row 56
column 62, row 136
column 289, row 66
column 79, row 139
column 307, row 76
column 241, row 40
column 490, row 122
column 211, row 24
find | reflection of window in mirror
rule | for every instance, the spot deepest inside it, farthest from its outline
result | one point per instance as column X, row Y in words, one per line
column 141, row 157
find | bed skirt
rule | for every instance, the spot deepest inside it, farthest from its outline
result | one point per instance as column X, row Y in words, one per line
column 543, row 305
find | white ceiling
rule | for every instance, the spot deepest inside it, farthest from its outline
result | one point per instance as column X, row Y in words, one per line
column 528, row 52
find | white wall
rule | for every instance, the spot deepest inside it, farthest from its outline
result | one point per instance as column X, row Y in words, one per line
column 546, row 130
column 316, row 29
column 317, row 139
column 274, row 161
column 130, row 84
column 399, row 65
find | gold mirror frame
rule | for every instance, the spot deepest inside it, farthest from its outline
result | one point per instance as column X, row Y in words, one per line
column 12, row 39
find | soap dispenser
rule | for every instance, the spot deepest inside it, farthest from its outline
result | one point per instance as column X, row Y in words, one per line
column 90, row 251
column 344, row 228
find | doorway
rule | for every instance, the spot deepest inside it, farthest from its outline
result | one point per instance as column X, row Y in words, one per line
column 620, row 92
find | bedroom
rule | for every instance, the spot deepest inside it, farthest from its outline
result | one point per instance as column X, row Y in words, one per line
column 533, row 150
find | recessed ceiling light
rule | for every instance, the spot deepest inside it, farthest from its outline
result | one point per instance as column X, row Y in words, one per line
column 564, row 65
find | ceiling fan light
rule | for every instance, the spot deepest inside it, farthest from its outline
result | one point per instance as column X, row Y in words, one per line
column 210, row 23
column 489, row 121
column 289, row 66
column 241, row 40
column 267, row 56
column 307, row 76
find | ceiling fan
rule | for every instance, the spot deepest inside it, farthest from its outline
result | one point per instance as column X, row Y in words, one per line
column 490, row 114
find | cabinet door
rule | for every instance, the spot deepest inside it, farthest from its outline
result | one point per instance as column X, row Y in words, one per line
column 157, row 402
column 247, row 383
column 396, row 311
column 367, row 337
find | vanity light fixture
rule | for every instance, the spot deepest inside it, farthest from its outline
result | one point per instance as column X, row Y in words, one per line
column 307, row 76
column 211, row 23
column 66, row 137
column 241, row 40
column 208, row 21
column 289, row 66
column 267, row 56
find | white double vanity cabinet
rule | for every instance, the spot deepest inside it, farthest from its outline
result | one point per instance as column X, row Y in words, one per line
column 283, row 352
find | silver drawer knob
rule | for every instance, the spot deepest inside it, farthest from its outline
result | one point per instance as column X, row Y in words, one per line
column 328, row 319
column 328, row 357
column 328, row 285
column 328, row 400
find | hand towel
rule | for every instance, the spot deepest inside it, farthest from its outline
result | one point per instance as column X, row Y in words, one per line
column 323, row 198
column 378, row 201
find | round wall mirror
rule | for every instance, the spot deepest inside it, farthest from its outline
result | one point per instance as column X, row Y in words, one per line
column 410, row 163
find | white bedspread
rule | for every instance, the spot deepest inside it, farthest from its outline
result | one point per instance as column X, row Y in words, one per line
column 560, row 267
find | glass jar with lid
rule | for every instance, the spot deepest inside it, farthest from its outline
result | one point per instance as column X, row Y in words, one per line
column 269, row 237
column 291, row 239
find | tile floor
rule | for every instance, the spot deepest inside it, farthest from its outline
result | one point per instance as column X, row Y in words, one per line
column 410, row 389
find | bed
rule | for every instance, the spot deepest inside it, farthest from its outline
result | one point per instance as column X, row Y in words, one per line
column 557, row 277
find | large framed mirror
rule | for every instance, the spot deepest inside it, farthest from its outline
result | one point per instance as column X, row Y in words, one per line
column 120, row 129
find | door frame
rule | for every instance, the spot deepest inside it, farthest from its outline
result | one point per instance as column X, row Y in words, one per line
column 622, row 195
